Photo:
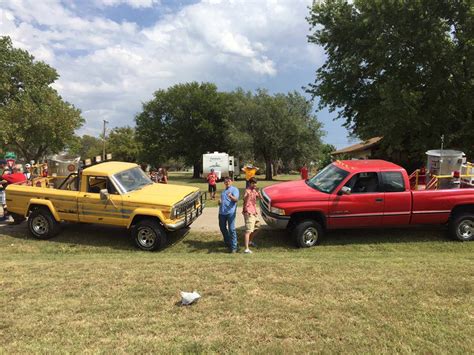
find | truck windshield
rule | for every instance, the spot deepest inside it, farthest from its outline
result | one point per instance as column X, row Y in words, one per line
column 327, row 179
column 132, row 179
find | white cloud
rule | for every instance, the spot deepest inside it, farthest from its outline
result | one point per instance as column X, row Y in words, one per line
column 133, row 3
column 109, row 68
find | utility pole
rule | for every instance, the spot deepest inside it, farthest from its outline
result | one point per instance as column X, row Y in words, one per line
column 103, row 137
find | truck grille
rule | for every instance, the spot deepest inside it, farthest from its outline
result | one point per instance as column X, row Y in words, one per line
column 265, row 201
column 187, row 206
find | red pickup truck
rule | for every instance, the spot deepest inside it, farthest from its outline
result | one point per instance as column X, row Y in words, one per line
column 363, row 193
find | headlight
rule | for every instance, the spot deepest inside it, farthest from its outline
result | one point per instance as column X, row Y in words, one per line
column 276, row 210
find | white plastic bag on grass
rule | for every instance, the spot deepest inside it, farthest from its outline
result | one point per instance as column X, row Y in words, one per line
column 189, row 297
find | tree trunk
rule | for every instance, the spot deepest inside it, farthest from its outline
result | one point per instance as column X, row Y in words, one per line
column 268, row 169
column 197, row 171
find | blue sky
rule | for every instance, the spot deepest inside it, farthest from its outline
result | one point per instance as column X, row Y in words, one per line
column 112, row 55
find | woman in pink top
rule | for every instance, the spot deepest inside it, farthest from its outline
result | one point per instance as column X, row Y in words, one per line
column 250, row 213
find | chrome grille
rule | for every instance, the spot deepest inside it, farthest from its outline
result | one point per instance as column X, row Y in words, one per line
column 265, row 201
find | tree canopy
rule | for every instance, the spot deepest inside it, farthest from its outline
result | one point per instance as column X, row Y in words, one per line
column 123, row 144
column 398, row 69
column 186, row 120
column 35, row 119
column 278, row 127
column 190, row 119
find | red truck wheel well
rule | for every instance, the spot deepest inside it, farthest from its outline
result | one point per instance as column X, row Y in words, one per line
column 301, row 216
column 462, row 209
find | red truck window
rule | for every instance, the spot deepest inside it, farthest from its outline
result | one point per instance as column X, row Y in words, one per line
column 393, row 181
column 364, row 183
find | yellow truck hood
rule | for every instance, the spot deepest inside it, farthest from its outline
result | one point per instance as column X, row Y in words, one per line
column 161, row 194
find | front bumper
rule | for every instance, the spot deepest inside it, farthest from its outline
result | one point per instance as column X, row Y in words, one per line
column 273, row 220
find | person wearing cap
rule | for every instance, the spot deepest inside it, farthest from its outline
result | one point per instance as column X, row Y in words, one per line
column 212, row 186
column 227, row 211
column 250, row 172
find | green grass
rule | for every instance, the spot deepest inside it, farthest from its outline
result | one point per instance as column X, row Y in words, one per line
column 186, row 179
column 90, row 290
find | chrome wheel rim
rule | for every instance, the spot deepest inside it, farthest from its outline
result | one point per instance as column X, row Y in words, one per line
column 40, row 225
column 465, row 229
column 146, row 237
column 310, row 236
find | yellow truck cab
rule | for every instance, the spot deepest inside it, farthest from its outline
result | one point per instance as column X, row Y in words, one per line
column 113, row 193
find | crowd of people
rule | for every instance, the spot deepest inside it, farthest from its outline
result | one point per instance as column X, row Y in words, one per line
column 159, row 176
column 11, row 173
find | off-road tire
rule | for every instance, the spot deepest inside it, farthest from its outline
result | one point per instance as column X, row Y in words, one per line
column 17, row 218
column 41, row 224
column 461, row 227
column 149, row 235
column 307, row 233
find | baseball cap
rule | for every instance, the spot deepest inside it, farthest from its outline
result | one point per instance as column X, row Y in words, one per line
column 27, row 165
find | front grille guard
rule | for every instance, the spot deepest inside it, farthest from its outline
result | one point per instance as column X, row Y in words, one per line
column 188, row 214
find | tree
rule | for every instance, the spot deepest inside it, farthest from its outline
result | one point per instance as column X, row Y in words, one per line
column 277, row 127
column 86, row 146
column 35, row 119
column 123, row 144
column 186, row 120
column 398, row 69
column 325, row 157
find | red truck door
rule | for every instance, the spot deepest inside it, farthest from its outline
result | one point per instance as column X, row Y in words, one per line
column 398, row 199
column 363, row 207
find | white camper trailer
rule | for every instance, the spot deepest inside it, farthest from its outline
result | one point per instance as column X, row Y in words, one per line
column 222, row 163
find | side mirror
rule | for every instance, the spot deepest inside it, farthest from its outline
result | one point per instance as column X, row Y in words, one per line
column 104, row 195
column 345, row 190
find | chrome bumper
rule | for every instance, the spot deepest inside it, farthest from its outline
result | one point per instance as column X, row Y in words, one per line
column 272, row 220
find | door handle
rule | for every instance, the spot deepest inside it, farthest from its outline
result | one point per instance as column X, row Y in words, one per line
column 379, row 200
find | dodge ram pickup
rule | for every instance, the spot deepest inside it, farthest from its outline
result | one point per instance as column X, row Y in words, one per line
column 363, row 193
column 112, row 193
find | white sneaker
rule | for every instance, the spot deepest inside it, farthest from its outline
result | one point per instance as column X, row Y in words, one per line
column 247, row 251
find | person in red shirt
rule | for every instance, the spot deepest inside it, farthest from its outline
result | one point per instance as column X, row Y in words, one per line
column 304, row 172
column 13, row 178
column 6, row 179
column 212, row 181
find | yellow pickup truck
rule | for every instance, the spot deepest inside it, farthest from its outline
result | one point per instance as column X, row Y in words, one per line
column 112, row 193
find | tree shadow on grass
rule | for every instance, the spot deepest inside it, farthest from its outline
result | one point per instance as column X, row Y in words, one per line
column 265, row 238
column 92, row 235
column 194, row 245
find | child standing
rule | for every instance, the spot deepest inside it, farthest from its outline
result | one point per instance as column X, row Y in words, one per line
column 250, row 213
